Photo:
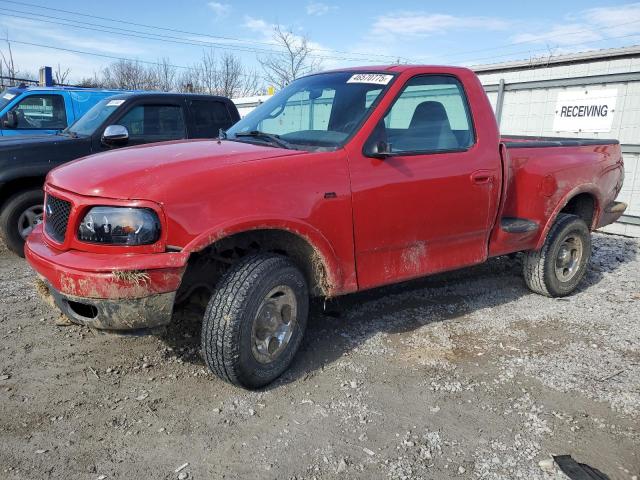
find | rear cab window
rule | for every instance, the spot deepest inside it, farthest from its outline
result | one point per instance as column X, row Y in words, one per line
column 209, row 116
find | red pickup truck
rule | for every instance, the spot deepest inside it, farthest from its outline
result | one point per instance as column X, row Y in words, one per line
column 343, row 181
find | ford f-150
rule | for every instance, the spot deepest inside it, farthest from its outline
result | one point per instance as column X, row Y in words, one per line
column 343, row 181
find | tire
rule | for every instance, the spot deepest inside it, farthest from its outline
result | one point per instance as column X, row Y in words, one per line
column 27, row 201
column 554, row 270
column 236, row 344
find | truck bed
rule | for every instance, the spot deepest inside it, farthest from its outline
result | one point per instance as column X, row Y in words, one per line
column 544, row 175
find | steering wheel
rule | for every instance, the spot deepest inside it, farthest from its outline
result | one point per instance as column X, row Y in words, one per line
column 23, row 119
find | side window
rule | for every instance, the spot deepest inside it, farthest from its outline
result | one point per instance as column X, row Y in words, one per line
column 154, row 122
column 209, row 116
column 41, row 112
column 431, row 114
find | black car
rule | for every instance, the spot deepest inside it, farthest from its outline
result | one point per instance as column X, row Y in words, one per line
column 122, row 120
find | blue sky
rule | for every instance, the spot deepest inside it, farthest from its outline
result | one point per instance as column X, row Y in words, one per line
column 341, row 33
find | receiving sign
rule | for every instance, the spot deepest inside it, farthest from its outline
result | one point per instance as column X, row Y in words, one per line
column 585, row 110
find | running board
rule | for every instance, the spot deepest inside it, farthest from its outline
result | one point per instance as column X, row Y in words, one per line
column 518, row 225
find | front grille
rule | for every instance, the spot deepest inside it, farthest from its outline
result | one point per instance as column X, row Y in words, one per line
column 56, row 217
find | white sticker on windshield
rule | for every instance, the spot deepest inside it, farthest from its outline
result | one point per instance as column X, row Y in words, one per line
column 114, row 103
column 374, row 78
column 8, row 96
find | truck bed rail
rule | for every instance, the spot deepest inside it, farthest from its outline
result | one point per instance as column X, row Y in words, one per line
column 524, row 141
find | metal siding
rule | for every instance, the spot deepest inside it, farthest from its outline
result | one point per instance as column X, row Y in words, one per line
column 630, row 193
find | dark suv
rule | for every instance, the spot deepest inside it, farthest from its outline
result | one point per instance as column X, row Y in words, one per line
column 121, row 120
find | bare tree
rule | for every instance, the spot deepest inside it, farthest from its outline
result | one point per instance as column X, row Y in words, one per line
column 186, row 81
column 233, row 79
column 205, row 73
column 92, row 82
column 7, row 66
column 228, row 78
column 252, row 84
column 295, row 60
column 164, row 75
column 128, row 74
column 60, row 76
column 225, row 76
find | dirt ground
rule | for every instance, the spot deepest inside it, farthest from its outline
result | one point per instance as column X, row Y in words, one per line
column 463, row 375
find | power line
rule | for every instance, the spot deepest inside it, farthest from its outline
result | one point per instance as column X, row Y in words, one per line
column 541, row 38
column 255, row 42
column 115, row 57
column 248, row 49
column 162, row 38
column 155, row 27
column 104, row 55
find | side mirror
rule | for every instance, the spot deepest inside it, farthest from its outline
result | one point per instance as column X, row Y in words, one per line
column 115, row 136
column 10, row 120
column 379, row 150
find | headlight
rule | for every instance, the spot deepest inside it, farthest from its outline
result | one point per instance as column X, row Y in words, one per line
column 120, row 226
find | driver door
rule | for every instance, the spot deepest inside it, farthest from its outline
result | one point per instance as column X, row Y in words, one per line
column 427, row 206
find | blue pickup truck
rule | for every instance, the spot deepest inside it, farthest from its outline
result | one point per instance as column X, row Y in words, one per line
column 45, row 110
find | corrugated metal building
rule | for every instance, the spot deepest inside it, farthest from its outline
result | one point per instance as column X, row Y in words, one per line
column 526, row 96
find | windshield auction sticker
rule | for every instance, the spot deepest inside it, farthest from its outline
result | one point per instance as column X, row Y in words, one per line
column 114, row 103
column 373, row 78
column 585, row 110
column 8, row 96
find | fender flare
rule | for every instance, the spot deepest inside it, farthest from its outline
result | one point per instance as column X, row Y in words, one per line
column 308, row 233
column 589, row 188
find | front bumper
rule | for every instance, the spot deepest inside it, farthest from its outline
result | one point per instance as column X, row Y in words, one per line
column 114, row 292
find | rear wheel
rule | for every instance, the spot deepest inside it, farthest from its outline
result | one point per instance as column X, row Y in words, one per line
column 20, row 214
column 558, row 267
column 255, row 320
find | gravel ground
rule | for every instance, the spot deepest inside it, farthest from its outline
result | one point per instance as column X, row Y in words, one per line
column 462, row 375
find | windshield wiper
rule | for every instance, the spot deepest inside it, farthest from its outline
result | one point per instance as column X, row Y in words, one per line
column 275, row 139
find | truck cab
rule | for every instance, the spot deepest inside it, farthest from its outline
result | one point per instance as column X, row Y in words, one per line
column 45, row 110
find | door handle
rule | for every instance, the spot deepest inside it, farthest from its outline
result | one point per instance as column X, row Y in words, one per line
column 482, row 177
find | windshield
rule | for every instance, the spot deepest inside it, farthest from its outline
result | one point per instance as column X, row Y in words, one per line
column 90, row 121
column 8, row 95
column 314, row 112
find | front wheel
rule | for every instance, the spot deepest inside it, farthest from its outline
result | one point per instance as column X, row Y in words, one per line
column 255, row 320
column 558, row 267
column 20, row 214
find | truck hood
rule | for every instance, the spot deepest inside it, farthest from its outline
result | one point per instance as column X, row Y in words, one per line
column 23, row 142
column 34, row 155
column 146, row 172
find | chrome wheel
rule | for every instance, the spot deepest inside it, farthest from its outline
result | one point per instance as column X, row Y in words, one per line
column 274, row 324
column 569, row 258
column 28, row 219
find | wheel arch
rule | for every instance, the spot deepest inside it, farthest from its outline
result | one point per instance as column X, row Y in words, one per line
column 583, row 201
column 303, row 243
column 11, row 187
